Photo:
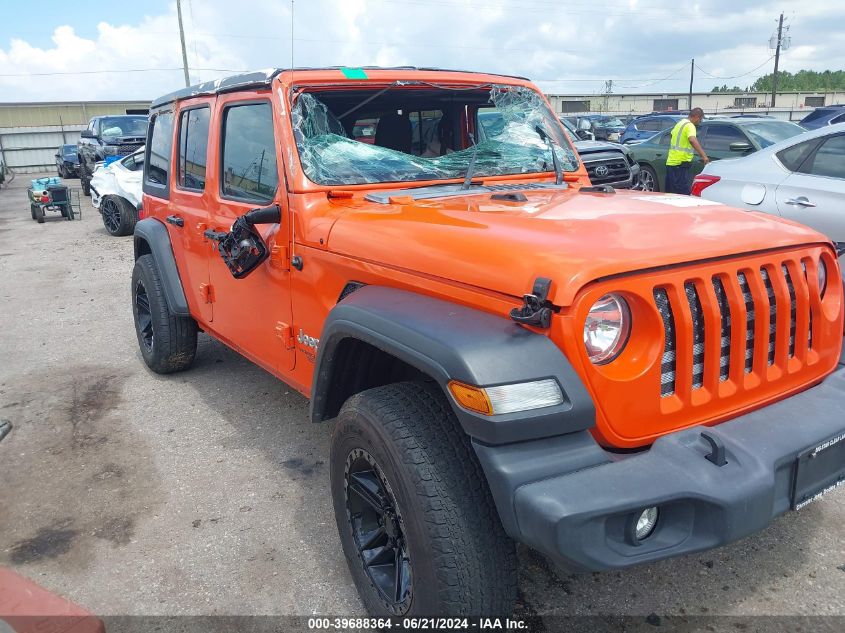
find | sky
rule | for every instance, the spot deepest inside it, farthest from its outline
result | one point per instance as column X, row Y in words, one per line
column 87, row 50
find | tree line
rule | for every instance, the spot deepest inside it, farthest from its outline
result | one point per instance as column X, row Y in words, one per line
column 802, row 81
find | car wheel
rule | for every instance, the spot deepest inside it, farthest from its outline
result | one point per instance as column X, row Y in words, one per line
column 418, row 526
column 648, row 179
column 118, row 215
column 39, row 213
column 32, row 211
column 168, row 343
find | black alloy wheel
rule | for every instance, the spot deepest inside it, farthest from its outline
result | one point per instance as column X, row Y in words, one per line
column 145, row 316
column 111, row 214
column 378, row 530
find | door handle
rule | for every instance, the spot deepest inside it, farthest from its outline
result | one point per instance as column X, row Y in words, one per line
column 213, row 235
column 800, row 201
column 175, row 220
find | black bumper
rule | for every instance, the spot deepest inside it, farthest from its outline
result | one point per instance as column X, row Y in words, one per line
column 574, row 501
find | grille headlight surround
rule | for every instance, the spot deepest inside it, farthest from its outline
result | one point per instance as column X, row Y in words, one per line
column 822, row 272
column 607, row 328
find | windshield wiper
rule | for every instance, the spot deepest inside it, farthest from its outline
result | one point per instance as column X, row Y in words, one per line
column 471, row 166
column 551, row 143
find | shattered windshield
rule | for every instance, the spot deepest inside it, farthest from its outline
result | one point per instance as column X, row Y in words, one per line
column 403, row 135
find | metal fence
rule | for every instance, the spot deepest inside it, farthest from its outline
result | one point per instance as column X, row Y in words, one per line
column 33, row 149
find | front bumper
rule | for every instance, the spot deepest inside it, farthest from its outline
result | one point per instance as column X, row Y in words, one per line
column 574, row 501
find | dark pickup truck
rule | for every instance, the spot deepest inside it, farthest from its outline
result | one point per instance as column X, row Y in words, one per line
column 113, row 135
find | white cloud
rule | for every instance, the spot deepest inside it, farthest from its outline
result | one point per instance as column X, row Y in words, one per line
column 621, row 39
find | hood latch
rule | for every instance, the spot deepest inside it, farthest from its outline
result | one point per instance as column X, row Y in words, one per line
column 536, row 308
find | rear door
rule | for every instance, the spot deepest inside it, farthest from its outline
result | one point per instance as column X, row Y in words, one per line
column 814, row 194
column 252, row 313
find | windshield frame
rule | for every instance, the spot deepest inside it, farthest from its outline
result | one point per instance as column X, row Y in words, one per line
column 298, row 180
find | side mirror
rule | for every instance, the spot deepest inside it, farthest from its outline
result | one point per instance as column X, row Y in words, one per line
column 740, row 146
column 242, row 248
column 86, row 133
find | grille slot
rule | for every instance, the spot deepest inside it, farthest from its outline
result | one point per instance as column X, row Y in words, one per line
column 773, row 309
column 725, row 327
column 749, row 321
column 793, row 309
column 667, row 362
column 697, row 334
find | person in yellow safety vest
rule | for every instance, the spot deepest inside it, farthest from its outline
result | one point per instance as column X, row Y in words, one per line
column 682, row 142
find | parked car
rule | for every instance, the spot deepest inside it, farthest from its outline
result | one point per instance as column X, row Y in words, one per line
column 106, row 137
column 720, row 138
column 827, row 115
column 116, row 192
column 605, row 128
column 645, row 127
column 802, row 179
column 507, row 353
column 574, row 133
column 67, row 161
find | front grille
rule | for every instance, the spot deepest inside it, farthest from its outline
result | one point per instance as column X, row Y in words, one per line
column 743, row 303
column 128, row 148
column 617, row 170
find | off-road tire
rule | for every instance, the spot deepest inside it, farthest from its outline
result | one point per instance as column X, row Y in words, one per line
column 39, row 214
column 127, row 215
column 462, row 562
column 84, row 179
column 173, row 342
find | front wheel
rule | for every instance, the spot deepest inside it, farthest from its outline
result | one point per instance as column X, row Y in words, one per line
column 118, row 215
column 648, row 179
column 168, row 343
column 416, row 520
column 39, row 213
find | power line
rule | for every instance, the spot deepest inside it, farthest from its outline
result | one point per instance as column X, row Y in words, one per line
column 131, row 70
column 735, row 76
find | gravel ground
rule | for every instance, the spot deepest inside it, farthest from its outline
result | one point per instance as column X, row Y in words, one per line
column 206, row 492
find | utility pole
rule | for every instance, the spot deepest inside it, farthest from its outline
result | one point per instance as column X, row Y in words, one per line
column 608, row 89
column 691, row 71
column 291, row 33
column 182, row 38
column 780, row 42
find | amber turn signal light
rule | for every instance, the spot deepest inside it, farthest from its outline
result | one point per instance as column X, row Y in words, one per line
column 471, row 398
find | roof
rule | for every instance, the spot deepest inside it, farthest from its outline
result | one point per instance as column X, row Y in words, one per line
column 259, row 78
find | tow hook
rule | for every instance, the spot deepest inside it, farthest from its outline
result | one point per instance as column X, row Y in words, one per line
column 536, row 309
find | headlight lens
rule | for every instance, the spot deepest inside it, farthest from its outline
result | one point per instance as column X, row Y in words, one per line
column 822, row 277
column 606, row 328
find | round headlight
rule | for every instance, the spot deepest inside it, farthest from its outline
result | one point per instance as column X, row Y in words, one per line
column 606, row 328
column 822, row 277
column 646, row 523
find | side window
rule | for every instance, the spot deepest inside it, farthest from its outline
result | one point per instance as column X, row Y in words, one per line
column 667, row 124
column 193, row 148
column 133, row 162
column 720, row 137
column 838, row 119
column 793, row 157
column 159, row 150
column 665, row 138
column 249, row 153
column 649, row 126
column 829, row 159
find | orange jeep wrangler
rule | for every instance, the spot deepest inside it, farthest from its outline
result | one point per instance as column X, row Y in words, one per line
column 508, row 353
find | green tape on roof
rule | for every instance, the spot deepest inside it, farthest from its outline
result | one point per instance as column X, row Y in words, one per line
column 354, row 73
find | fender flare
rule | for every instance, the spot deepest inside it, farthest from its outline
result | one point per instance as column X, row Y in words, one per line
column 448, row 342
column 155, row 235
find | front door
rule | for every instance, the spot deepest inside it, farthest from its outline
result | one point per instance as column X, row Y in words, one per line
column 716, row 139
column 815, row 194
column 252, row 313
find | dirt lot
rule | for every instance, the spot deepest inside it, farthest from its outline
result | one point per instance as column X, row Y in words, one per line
column 206, row 492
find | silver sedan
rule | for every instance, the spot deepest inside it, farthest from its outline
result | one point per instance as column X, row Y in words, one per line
column 802, row 179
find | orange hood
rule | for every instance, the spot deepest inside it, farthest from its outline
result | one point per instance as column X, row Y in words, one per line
column 573, row 238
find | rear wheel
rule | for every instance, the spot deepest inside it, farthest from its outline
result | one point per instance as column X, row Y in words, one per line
column 118, row 215
column 84, row 179
column 648, row 179
column 39, row 214
column 416, row 520
column 32, row 211
column 168, row 343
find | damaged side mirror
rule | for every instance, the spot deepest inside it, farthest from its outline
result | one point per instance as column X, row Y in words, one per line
column 242, row 248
